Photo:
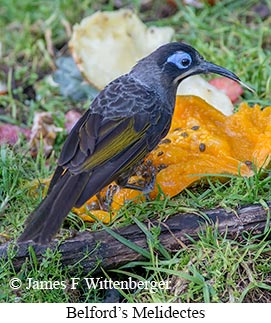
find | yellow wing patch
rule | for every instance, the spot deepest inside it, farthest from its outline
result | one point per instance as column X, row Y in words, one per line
column 118, row 143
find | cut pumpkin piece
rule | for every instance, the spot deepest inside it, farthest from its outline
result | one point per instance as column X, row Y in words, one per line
column 202, row 141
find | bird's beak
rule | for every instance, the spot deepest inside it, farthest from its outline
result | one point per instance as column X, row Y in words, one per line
column 208, row 67
column 205, row 67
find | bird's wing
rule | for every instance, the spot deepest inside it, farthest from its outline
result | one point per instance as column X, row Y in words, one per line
column 97, row 138
column 93, row 149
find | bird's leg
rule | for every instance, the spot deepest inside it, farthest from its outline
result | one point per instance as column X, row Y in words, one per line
column 112, row 189
column 105, row 203
column 101, row 202
column 149, row 187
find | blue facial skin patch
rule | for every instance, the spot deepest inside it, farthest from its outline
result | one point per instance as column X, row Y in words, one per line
column 180, row 59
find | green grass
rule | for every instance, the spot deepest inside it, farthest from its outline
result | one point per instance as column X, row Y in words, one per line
column 212, row 269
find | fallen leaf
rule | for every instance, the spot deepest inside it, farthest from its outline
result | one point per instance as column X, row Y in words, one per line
column 3, row 88
column 43, row 130
column 9, row 134
column 71, row 82
column 71, row 117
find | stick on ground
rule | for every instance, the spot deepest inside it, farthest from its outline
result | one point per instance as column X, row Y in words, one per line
column 99, row 247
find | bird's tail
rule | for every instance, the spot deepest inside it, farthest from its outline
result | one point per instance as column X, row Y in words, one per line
column 46, row 220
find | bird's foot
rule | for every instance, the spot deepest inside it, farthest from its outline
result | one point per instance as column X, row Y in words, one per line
column 105, row 202
column 146, row 185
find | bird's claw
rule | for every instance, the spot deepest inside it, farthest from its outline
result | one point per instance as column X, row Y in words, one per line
column 149, row 182
column 105, row 203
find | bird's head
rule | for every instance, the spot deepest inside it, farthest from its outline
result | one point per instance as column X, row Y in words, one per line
column 179, row 61
column 172, row 63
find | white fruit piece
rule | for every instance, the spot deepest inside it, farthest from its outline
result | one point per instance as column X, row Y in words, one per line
column 196, row 85
column 106, row 45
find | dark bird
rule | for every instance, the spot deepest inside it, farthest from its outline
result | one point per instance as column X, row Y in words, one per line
column 123, row 124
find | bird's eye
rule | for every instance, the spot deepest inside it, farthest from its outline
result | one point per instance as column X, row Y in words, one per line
column 186, row 62
column 180, row 59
